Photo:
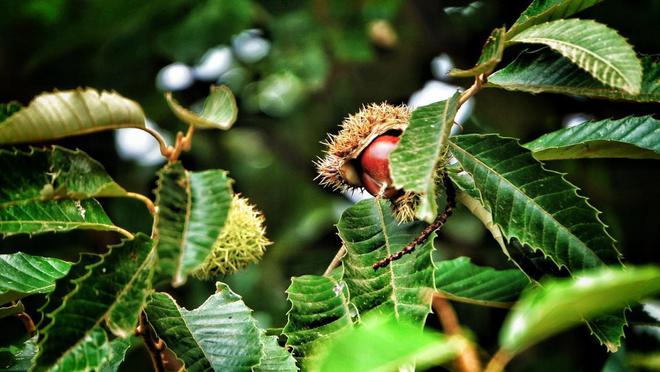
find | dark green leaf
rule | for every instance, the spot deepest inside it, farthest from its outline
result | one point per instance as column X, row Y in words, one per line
column 8, row 109
column 540, row 11
column 220, row 334
column 461, row 280
column 422, row 147
column 192, row 209
column 219, row 110
column 491, row 55
column 370, row 233
column 594, row 47
column 18, row 356
column 563, row 303
column 635, row 137
column 22, row 275
column 536, row 206
column 382, row 344
column 110, row 291
column 545, row 71
column 43, row 191
column 61, row 114
column 319, row 309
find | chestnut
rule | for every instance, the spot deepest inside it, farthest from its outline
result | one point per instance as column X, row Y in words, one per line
column 375, row 166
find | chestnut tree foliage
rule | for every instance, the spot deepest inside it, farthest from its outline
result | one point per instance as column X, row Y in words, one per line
column 353, row 317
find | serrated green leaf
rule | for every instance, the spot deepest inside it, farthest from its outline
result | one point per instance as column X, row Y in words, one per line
column 220, row 334
column 192, row 209
column 386, row 344
column 546, row 71
column 55, row 216
column 404, row 288
column 555, row 220
column 320, row 308
column 86, row 355
column 536, row 206
column 563, row 303
column 540, row 11
column 73, row 112
column 219, row 110
column 461, row 280
column 45, row 193
column 118, row 348
column 276, row 358
column 491, row 55
column 12, row 309
column 594, row 47
column 22, row 275
column 634, row 137
column 414, row 161
column 18, row 357
column 111, row 292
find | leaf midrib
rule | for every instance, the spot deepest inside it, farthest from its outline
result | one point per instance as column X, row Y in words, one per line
column 533, row 202
column 381, row 218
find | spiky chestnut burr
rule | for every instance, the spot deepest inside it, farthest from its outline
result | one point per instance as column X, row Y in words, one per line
column 344, row 164
column 241, row 242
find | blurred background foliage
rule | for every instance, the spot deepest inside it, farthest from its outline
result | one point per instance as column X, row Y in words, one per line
column 297, row 68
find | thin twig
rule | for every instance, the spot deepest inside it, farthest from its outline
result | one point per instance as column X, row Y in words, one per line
column 479, row 81
column 150, row 204
column 165, row 149
column 28, row 323
column 336, row 260
column 467, row 361
column 424, row 235
column 498, row 361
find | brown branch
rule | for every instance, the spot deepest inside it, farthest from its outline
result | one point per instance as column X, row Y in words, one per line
column 147, row 202
column 28, row 323
column 498, row 361
column 479, row 81
column 336, row 260
column 424, row 235
column 467, row 361
column 154, row 345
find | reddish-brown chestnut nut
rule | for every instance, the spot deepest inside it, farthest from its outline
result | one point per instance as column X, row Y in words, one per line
column 375, row 164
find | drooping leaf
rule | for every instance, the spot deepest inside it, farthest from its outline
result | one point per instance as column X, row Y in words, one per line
column 370, row 233
column 546, row 71
column 540, row 11
column 219, row 110
column 276, row 358
column 563, row 303
column 320, row 308
column 594, row 47
column 422, row 146
column 461, row 280
column 73, row 112
column 110, row 293
column 491, row 55
column 192, row 209
column 385, row 344
column 220, row 334
column 536, row 206
column 43, row 190
column 55, row 216
column 22, row 275
column 634, row 137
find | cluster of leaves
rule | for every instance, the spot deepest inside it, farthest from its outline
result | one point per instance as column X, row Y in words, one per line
column 354, row 318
